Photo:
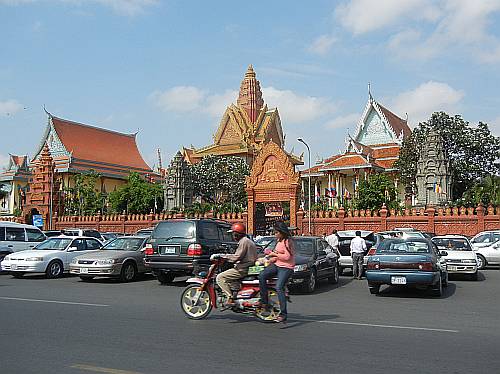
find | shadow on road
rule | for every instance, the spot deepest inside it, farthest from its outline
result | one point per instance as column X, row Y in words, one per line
column 407, row 292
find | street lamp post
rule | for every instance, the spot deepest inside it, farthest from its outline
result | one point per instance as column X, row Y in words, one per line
column 308, row 181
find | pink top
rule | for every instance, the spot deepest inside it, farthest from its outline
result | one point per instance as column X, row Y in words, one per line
column 286, row 258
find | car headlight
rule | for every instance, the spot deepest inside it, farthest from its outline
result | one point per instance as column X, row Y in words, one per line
column 468, row 261
column 34, row 259
column 7, row 257
column 302, row 267
column 109, row 261
column 74, row 261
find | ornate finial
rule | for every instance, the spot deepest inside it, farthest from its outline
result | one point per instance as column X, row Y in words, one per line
column 370, row 92
column 250, row 97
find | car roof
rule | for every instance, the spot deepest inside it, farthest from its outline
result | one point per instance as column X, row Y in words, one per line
column 449, row 236
column 72, row 237
column 15, row 224
column 353, row 232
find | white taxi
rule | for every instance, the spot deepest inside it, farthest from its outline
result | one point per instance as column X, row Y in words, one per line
column 461, row 259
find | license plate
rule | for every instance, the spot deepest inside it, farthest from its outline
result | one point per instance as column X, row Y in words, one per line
column 169, row 250
column 13, row 267
column 398, row 280
column 452, row 268
column 84, row 270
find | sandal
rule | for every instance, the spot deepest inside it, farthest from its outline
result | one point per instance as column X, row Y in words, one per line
column 280, row 319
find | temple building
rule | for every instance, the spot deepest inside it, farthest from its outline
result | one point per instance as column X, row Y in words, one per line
column 13, row 182
column 77, row 148
column 373, row 149
column 245, row 127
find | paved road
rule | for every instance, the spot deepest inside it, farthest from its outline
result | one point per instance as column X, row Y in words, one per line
column 67, row 326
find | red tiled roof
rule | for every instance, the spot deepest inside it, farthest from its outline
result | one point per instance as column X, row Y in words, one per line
column 398, row 125
column 386, row 152
column 386, row 164
column 99, row 145
column 347, row 160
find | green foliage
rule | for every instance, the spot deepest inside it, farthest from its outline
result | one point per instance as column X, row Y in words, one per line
column 473, row 151
column 137, row 196
column 377, row 190
column 17, row 212
column 486, row 192
column 220, row 181
column 83, row 198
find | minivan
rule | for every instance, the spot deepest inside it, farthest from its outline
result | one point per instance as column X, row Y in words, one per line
column 15, row 237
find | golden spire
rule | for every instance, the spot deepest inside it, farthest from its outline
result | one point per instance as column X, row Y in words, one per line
column 250, row 97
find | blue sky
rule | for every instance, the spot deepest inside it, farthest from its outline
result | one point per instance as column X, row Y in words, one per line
column 168, row 69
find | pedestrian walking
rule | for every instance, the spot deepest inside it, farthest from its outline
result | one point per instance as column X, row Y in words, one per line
column 283, row 262
column 333, row 242
column 358, row 248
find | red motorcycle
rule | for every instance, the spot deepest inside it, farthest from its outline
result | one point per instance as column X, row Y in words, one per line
column 202, row 294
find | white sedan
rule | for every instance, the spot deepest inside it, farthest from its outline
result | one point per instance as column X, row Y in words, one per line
column 51, row 257
column 487, row 247
column 461, row 259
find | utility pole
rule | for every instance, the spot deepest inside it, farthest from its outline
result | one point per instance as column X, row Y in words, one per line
column 163, row 179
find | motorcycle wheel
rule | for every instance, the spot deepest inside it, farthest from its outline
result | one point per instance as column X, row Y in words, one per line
column 195, row 303
column 269, row 315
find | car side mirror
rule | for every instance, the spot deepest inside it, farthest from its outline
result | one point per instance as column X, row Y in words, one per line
column 72, row 249
column 443, row 253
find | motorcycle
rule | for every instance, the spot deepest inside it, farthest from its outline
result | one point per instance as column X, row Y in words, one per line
column 202, row 294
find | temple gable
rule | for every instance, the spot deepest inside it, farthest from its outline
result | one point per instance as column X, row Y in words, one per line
column 375, row 130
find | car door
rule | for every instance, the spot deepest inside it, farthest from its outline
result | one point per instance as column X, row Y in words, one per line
column 322, row 264
column 209, row 236
column 15, row 239
column 92, row 245
column 495, row 247
column 78, row 247
column 34, row 237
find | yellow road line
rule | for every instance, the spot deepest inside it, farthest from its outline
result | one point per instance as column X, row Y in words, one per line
column 97, row 369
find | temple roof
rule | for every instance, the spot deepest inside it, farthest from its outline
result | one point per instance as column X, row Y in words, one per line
column 79, row 147
column 17, row 169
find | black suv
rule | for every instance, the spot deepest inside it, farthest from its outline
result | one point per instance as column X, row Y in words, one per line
column 184, row 246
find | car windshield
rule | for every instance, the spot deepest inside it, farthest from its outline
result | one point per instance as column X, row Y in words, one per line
column 455, row 244
column 304, row 247
column 403, row 246
column 266, row 242
column 54, row 243
column 174, row 229
column 124, row 244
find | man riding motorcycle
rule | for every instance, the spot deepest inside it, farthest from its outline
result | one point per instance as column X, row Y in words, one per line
column 243, row 258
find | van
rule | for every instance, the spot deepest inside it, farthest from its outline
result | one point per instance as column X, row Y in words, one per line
column 15, row 237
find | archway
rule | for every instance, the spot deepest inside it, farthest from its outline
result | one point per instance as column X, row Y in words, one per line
column 274, row 181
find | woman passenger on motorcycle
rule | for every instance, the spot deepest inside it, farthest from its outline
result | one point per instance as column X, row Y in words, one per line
column 283, row 262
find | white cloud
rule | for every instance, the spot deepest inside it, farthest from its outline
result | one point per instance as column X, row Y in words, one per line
column 9, row 107
column 322, row 44
column 427, row 98
column 295, row 108
column 349, row 120
column 124, row 7
column 217, row 104
column 180, row 99
column 362, row 16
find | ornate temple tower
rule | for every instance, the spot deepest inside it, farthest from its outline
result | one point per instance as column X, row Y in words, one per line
column 41, row 197
column 434, row 182
column 250, row 97
column 178, row 192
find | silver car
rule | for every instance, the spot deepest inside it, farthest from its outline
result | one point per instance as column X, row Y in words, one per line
column 487, row 247
column 121, row 258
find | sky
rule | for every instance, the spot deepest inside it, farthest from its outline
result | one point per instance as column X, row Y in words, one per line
column 167, row 69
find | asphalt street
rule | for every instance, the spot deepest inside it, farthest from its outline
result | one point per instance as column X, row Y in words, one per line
column 68, row 326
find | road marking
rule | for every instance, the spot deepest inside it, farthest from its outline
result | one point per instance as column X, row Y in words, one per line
column 52, row 301
column 97, row 369
column 380, row 326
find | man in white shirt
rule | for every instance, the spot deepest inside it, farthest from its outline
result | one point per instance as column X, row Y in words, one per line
column 358, row 248
column 333, row 242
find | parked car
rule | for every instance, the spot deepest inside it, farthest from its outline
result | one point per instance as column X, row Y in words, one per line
column 4, row 251
column 146, row 232
column 121, row 258
column 15, row 237
column 184, row 246
column 407, row 262
column 51, row 257
column 461, row 258
column 108, row 236
column 487, row 247
column 52, row 233
column 311, row 261
column 90, row 233
column 345, row 238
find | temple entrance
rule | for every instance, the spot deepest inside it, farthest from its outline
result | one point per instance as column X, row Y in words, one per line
column 273, row 190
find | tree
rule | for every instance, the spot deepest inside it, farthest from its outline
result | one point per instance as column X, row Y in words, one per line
column 220, row 181
column 137, row 196
column 376, row 191
column 472, row 150
column 486, row 192
column 83, row 198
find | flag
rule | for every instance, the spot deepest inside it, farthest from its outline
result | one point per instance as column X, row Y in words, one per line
column 354, row 185
column 437, row 188
column 347, row 194
column 328, row 193
column 316, row 193
column 333, row 192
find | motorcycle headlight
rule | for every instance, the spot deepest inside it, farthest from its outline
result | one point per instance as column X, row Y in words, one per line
column 34, row 259
column 302, row 267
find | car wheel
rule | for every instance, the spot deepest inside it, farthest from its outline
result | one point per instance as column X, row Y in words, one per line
column 165, row 278
column 54, row 269
column 437, row 289
column 374, row 288
column 129, row 272
column 86, row 279
column 473, row 276
column 334, row 279
column 481, row 262
column 310, row 285
column 445, row 280
column 18, row 275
